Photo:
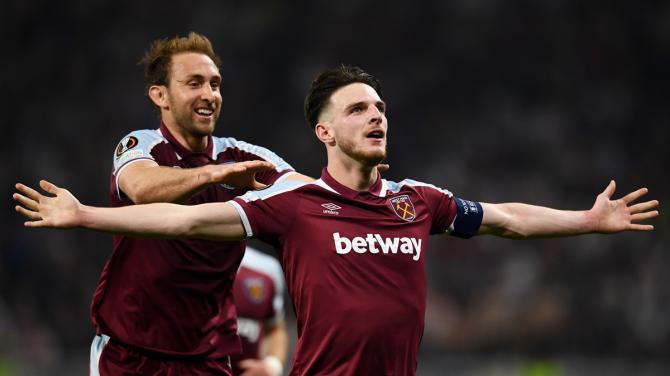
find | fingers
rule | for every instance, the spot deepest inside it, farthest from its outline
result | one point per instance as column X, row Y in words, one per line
column 609, row 190
column 634, row 195
column 28, row 192
column 25, row 201
column 642, row 216
column 383, row 167
column 637, row 227
column 49, row 187
column 259, row 165
column 29, row 214
column 252, row 166
column 642, row 207
column 256, row 186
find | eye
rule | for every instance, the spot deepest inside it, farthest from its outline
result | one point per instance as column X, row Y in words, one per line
column 381, row 107
column 356, row 109
column 193, row 84
column 215, row 85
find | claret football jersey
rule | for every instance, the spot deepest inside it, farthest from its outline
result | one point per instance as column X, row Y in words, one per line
column 354, row 266
column 174, row 297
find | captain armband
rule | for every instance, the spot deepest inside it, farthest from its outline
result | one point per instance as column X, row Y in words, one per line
column 469, row 216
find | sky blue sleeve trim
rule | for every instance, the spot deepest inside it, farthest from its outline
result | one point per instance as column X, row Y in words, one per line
column 469, row 216
column 243, row 218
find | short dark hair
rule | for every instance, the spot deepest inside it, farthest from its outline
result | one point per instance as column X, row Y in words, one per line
column 328, row 82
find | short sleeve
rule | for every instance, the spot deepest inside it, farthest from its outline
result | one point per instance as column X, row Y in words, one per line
column 267, row 213
column 452, row 214
column 135, row 146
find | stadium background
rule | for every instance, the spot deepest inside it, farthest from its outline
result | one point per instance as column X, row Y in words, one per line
column 536, row 101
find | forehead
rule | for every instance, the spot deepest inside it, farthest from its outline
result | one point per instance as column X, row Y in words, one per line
column 354, row 93
column 192, row 64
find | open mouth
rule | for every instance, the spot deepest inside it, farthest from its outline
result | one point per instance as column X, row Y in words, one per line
column 378, row 134
column 204, row 111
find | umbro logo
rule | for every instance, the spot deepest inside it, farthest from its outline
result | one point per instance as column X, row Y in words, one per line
column 331, row 208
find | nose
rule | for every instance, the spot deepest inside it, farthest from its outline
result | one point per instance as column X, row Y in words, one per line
column 376, row 115
column 208, row 93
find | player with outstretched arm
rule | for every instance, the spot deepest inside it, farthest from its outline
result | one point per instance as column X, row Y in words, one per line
column 351, row 244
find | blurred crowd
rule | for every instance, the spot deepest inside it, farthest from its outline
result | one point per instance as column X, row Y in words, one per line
column 536, row 101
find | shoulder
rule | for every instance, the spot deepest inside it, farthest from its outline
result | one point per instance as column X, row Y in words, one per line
column 392, row 187
column 143, row 136
column 223, row 143
column 137, row 145
column 283, row 187
column 143, row 139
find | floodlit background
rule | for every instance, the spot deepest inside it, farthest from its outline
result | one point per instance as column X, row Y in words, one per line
column 534, row 101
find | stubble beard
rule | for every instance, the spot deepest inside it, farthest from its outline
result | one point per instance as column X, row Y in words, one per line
column 186, row 120
column 368, row 158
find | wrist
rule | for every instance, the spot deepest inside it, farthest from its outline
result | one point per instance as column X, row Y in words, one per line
column 591, row 222
column 84, row 216
column 205, row 175
column 273, row 364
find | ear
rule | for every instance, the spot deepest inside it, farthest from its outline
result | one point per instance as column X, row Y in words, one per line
column 158, row 95
column 324, row 132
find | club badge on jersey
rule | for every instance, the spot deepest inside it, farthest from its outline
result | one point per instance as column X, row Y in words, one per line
column 255, row 290
column 403, row 207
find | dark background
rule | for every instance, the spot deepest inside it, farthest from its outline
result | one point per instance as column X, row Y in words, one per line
column 533, row 101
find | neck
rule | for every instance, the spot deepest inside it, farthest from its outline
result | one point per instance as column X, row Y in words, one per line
column 353, row 175
column 190, row 141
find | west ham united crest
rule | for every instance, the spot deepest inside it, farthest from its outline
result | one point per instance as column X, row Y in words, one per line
column 254, row 288
column 403, row 207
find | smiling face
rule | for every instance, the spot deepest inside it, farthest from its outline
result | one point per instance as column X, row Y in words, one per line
column 191, row 101
column 354, row 124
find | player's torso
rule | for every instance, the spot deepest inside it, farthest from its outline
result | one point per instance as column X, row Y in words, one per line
column 173, row 296
column 355, row 269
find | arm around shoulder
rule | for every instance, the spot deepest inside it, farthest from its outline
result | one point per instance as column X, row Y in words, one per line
column 146, row 182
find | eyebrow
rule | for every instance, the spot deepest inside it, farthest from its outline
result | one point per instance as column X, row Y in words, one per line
column 199, row 77
column 378, row 103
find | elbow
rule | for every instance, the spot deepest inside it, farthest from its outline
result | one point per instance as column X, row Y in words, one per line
column 513, row 228
column 516, row 234
column 184, row 228
column 139, row 195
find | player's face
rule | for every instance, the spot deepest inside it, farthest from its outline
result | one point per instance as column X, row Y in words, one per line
column 359, row 123
column 194, row 93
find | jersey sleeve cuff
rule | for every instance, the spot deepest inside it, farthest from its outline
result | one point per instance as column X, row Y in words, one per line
column 469, row 216
column 243, row 217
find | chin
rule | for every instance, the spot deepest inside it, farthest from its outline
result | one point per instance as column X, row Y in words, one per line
column 373, row 159
column 205, row 128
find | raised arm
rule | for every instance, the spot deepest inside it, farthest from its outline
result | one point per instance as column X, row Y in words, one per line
column 146, row 182
column 215, row 221
column 516, row 220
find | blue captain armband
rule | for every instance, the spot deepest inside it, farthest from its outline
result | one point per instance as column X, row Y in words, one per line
column 469, row 216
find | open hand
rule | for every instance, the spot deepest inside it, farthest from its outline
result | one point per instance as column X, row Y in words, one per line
column 241, row 174
column 621, row 215
column 58, row 211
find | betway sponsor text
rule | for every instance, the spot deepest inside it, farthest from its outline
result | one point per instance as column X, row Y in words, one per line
column 375, row 243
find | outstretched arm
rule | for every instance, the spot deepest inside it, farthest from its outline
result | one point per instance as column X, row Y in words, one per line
column 215, row 221
column 516, row 220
